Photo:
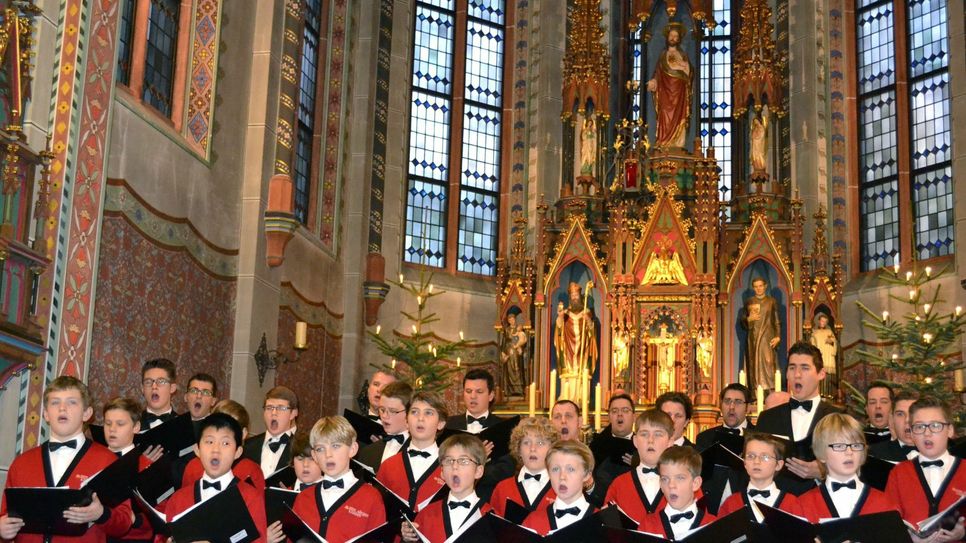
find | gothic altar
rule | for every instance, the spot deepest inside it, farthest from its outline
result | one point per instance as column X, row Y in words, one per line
column 639, row 278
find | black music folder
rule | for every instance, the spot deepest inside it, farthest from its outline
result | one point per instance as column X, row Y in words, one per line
column 42, row 509
column 156, row 483
column 176, row 436
column 204, row 521
column 878, row 527
column 276, row 501
column 498, row 435
column 113, row 484
column 731, row 528
column 366, row 428
column 283, row 478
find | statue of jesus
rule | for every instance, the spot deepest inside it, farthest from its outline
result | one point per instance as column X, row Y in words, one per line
column 671, row 86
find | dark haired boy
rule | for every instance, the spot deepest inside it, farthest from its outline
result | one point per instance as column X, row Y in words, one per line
column 158, row 384
column 678, row 406
column 393, row 408
column 271, row 449
column 201, row 396
column 680, row 471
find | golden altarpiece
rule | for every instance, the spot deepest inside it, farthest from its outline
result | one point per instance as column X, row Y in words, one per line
column 637, row 277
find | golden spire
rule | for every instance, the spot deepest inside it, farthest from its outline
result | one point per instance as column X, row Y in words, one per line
column 757, row 70
column 587, row 63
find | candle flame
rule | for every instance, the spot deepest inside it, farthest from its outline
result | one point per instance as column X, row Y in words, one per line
column 885, row 315
column 378, row 329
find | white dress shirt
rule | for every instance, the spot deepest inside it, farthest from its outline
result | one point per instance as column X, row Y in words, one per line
column 773, row 492
column 936, row 475
column 844, row 499
column 802, row 419
column 650, row 482
column 393, row 446
column 475, row 427
column 210, row 492
column 269, row 461
column 61, row 459
column 458, row 515
column 533, row 487
column 679, row 441
column 682, row 528
column 419, row 463
column 567, row 520
column 332, row 494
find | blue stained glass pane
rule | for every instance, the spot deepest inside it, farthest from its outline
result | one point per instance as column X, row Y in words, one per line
column 932, row 202
column 928, row 40
column 492, row 11
column 637, row 67
column 715, row 95
column 159, row 55
column 479, row 214
column 429, row 136
column 425, row 223
column 931, row 134
column 308, row 88
column 125, row 35
column 875, row 48
column 484, row 63
column 433, row 49
column 877, row 137
column 879, row 235
column 481, row 148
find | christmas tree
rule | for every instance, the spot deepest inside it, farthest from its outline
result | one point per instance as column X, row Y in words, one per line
column 921, row 339
column 421, row 359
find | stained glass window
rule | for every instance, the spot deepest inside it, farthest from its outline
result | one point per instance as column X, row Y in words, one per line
column 159, row 60
column 308, row 88
column 716, row 103
column 433, row 170
column 125, row 35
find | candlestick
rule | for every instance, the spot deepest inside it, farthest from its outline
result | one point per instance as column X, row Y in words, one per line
column 401, row 278
column 458, row 361
column 778, row 380
column 959, row 377
column 301, row 335
column 393, row 363
column 885, row 316
column 760, row 396
column 742, row 378
column 533, row 399
column 553, row 388
column 597, row 404
column 378, row 329
column 959, row 310
column 584, row 400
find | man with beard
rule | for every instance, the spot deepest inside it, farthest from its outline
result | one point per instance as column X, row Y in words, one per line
column 733, row 402
column 878, row 408
column 201, row 397
column 612, row 447
column 271, row 449
column 671, row 86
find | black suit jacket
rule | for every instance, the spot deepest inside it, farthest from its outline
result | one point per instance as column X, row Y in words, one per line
column 371, row 454
column 778, row 421
column 888, row 450
column 253, row 451
column 709, row 437
column 458, row 422
column 714, row 486
column 608, row 467
column 875, row 435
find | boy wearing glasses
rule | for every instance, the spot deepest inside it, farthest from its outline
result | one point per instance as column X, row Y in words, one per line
column 462, row 458
column 158, row 386
column 530, row 488
column 839, row 444
column 763, row 459
column 341, row 507
column 612, row 439
column 271, row 449
column 733, row 402
column 638, row 493
column 201, row 396
column 393, row 405
column 926, row 485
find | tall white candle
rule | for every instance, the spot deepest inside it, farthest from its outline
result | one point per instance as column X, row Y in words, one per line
column 301, row 335
column 778, row 379
column 533, row 399
column 584, row 392
column 760, row 396
column 553, row 389
column 597, row 407
column 742, row 378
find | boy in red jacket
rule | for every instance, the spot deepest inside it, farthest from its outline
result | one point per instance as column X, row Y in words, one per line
column 571, row 467
column 122, row 419
column 680, row 470
column 924, row 486
column 341, row 507
column 638, row 492
column 462, row 457
column 839, row 443
column 68, row 459
column 245, row 469
column 219, row 445
column 763, row 459
column 530, row 487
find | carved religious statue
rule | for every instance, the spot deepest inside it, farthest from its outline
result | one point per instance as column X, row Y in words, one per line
column 664, row 267
column 824, row 338
column 703, row 354
column 760, row 318
column 759, row 142
column 671, row 85
column 588, row 147
column 575, row 341
column 621, row 356
column 666, row 347
column 513, row 344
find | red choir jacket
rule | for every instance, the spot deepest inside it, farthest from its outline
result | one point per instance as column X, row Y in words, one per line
column 434, row 523
column 543, row 520
column 396, row 473
column 817, row 503
column 785, row 502
column 628, row 493
column 511, row 489
column 908, row 488
column 32, row 469
column 359, row 510
column 659, row 523
column 243, row 468
column 187, row 496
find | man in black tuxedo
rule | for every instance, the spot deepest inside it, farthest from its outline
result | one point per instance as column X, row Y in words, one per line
column 878, row 408
column 613, row 448
column 795, row 420
column 733, row 402
column 901, row 448
column 678, row 406
column 378, row 382
column 272, row 449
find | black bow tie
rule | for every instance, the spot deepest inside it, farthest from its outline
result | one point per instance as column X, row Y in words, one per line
column 414, row 452
column 275, row 445
column 470, row 419
column 454, row 505
column 732, row 431
column 850, row 484
column 150, row 418
column 795, row 404
column 373, row 417
column 568, row 511
column 300, row 486
column 755, row 492
column 329, row 484
column 398, row 437
column 906, row 449
column 929, row 463
column 118, row 454
column 214, row 484
column 646, row 470
column 675, row 518
column 54, row 445
column 531, row 476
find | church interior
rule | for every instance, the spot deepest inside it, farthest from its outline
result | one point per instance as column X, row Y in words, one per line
column 605, row 196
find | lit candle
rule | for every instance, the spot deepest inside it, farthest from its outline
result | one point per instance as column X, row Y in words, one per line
column 778, row 380
column 414, row 329
column 533, row 399
column 378, row 329
column 959, row 310
column 742, row 378
column 597, row 405
column 897, row 264
column 434, row 352
column 393, row 363
column 885, row 315
column 928, row 271
column 925, row 308
column 895, row 356
column 458, row 361
column 912, row 294
column 301, row 335
column 419, row 300
column 760, row 396
column 401, row 278
column 927, row 337
column 461, row 335
column 553, row 387
column 430, row 288
column 584, row 392
column 908, row 275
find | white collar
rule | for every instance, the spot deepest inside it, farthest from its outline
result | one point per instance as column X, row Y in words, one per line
column 814, row 399
column 125, row 450
column 162, row 413
column 269, row 438
column 772, row 487
column 742, row 426
column 832, row 479
column 432, row 449
column 679, row 441
column 224, row 479
column 945, row 457
column 580, row 502
column 348, row 479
